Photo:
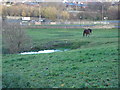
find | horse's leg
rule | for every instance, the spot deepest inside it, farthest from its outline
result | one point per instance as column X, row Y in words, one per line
column 88, row 34
column 83, row 34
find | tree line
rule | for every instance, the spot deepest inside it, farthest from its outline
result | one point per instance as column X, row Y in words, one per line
column 49, row 12
column 59, row 11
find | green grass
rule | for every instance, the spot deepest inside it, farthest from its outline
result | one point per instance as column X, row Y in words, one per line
column 70, row 38
column 92, row 61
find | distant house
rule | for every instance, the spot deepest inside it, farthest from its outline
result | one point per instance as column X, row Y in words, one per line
column 25, row 21
column 37, row 23
column 53, row 23
column 25, row 18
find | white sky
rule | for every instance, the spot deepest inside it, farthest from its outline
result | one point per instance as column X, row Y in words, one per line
column 60, row 0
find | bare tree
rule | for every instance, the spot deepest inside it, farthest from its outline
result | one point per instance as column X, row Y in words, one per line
column 14, row 38
column 65, row 15
column 113, row 12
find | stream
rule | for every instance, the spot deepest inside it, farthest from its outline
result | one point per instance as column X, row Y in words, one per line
column 43, row 51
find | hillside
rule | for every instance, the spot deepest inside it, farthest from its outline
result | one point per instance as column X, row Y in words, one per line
column 91, row 62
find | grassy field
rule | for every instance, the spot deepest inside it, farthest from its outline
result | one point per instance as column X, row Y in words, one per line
column 91, row 62
column 70, row 38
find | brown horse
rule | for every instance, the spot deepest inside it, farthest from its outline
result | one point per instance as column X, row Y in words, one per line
column 87, row 32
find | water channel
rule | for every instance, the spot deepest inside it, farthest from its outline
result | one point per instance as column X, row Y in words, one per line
column 43, row 51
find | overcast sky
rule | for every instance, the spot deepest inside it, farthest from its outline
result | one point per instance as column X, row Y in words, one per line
column 59, row 0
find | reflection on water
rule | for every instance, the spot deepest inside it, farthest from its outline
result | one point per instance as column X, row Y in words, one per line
column 43, row 51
